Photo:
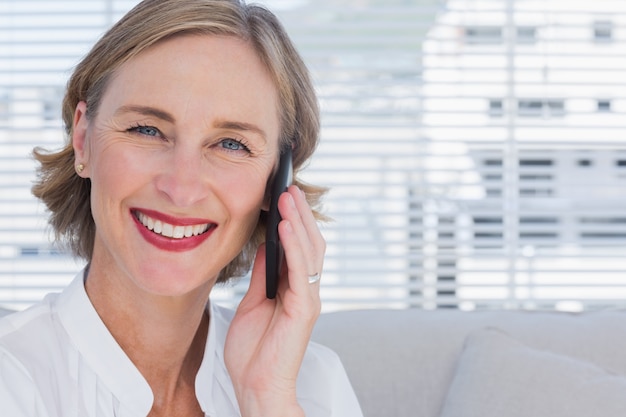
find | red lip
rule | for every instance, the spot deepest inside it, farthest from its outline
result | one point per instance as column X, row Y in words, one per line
column 188, row 221
column 172, row 244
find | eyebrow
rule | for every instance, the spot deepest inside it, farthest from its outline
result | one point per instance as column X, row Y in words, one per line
column 241, row 126
column 146, row 111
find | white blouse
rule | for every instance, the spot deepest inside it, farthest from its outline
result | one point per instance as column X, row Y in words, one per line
column 57, row 359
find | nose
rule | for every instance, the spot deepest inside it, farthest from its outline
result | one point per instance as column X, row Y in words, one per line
column 181, row 179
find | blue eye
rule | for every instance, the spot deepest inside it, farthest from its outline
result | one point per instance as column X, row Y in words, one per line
column 145, row 130
column 233, row 145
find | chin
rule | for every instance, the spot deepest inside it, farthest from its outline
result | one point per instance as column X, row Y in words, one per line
column 173, row 282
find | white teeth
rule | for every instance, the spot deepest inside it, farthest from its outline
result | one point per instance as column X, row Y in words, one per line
column 179, row 232
column 169, row 230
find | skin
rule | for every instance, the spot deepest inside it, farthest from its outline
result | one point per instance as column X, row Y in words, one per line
column 185, row 136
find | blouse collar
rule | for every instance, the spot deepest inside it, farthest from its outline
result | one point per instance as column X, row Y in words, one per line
column 110, row 363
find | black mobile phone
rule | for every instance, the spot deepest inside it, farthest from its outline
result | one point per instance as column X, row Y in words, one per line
column 274, row 253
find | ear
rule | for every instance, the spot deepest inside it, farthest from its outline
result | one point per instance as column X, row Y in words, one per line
column 266, row 199
column 79, row 138
column 266, row 203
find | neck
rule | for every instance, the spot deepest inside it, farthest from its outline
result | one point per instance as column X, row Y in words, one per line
column 163, row 336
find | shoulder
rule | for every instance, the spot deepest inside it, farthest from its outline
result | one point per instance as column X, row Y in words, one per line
column 323, row 385
column 32, row 337
column 320, row 363
column 24, row 348
column 24, row 326
column 21, row 322
column 18, row 392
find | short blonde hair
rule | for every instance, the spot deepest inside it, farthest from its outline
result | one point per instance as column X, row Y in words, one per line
column 67, row 196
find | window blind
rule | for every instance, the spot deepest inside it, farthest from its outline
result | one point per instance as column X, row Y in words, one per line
column 474, row 150
column 40, row 42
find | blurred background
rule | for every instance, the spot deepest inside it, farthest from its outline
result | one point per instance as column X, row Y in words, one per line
column 475, row 150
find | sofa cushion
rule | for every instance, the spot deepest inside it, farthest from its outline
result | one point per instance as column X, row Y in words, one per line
column 499, row 376
column 402, row 362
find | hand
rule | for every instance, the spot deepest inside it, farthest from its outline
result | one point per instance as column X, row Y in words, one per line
column 267, row 338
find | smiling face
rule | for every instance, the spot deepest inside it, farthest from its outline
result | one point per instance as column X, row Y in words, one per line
column 179, row 154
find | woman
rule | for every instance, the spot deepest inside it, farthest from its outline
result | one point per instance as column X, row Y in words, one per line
column 175, row 121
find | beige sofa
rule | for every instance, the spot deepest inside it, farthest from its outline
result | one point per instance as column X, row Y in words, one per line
column 451, row 363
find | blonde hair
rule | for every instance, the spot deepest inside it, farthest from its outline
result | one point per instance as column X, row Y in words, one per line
column 67, row 196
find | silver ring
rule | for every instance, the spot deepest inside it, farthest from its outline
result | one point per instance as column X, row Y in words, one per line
column 314, row 278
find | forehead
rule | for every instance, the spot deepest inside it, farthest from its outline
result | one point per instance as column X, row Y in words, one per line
column 222, row 73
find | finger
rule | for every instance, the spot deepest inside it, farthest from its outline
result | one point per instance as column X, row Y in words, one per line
column 304, row 263
column 298, row 256
column 296, row 293
column 295, row 208
column 309, row 221
column 299, row 265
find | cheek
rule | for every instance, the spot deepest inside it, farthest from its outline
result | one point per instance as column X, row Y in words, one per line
column 114, row 168
column 245, row 192
column 116, row 171
column 243, row 199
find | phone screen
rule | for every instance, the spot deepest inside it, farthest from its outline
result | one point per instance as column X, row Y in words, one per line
column 273, row 249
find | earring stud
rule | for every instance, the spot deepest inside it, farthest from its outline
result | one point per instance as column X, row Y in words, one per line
column 80, row 168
